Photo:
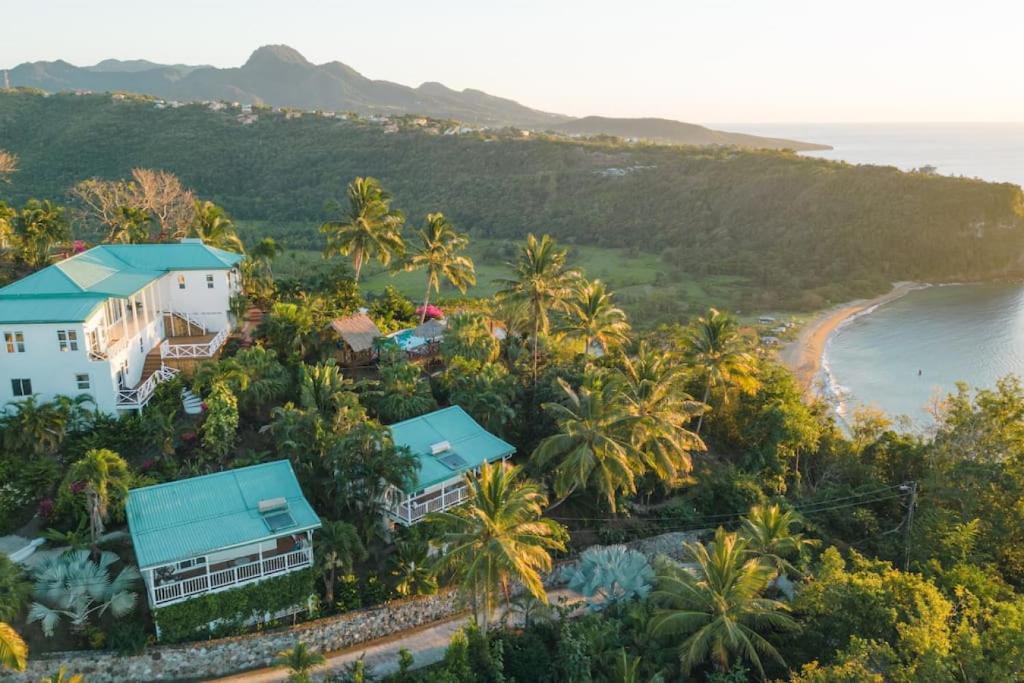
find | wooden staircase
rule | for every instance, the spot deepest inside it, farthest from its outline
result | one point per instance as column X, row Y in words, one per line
column 178, row 325
column 152, row 364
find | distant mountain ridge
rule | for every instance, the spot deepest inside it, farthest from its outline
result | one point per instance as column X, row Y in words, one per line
column 280, row 76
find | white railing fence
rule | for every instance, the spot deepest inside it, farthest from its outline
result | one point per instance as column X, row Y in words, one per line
column 233, row 576
column 140, row 395
column 413, row 511
column 201, row 350
column 188, row 319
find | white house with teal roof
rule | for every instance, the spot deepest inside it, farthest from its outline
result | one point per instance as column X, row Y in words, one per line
column 448, row 445
column 112, row 321
column 220, row 531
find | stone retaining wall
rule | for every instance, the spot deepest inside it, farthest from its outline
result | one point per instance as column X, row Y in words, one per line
column 202, row 660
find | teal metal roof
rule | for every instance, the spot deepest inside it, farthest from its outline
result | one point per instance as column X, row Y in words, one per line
column 468, row 440
column 108, row 270
column 190, row 517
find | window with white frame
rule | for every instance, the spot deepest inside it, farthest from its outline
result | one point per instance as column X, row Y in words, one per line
column 15, row 342
column 82, row 382
column 209, row 281
column 68, row 340
column 21, row 387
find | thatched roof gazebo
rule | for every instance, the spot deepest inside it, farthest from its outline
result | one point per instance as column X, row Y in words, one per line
column 431, row 329
column 357, row 334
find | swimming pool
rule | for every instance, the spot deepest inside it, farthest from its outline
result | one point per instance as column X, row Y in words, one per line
column 406, row 340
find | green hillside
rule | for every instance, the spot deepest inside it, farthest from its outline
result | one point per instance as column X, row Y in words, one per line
column 801, row 232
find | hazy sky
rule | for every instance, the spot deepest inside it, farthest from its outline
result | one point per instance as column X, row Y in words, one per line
column 707, row 61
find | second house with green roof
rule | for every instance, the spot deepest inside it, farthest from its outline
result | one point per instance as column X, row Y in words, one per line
column 448, row 444
column 114, row 321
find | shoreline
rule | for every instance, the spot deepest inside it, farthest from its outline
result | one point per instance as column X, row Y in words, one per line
column 804, row 356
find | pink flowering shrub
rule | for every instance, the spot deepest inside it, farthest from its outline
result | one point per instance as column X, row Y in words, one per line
column 432, row 311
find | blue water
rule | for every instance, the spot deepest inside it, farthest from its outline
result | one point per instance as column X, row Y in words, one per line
column 971, row 333
column 990, row 151
column 406, row 340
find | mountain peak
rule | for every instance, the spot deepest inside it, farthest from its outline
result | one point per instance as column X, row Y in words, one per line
column 269, row 54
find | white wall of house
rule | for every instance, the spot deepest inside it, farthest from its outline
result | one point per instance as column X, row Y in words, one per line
column 49, row 369
column 203, row 294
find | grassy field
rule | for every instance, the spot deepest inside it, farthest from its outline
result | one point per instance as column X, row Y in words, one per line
column 642, row 284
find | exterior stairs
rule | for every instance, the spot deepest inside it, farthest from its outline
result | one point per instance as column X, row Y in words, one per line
column 192, row 404
column 182, row 325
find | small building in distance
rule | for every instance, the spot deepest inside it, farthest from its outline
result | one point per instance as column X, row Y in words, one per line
column 356, row 337
column 448, row 444
column 219, row 531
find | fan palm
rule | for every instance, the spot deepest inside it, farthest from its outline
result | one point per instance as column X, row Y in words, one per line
column 498, row 537
column 104, row 475
column 438, row 254
column 716, row 605
column 15, row 589
column 716, row 348
column 369, row 229
column 769, row 531
column 214, row 227
column 653, row 389
column 13, row 650
column 540, row 282
column 338, row 548
column 592, row 318
column 300, row 660
column 73, row 586
column 592, row 445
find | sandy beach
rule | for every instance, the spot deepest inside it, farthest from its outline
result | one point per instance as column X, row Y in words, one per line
column 804, row 354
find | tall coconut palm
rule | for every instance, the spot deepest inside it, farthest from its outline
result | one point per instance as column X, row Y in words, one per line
column 592, row 447
column 40, row 226
column 265, row 252
column 214, row 227
column 104, row 476
column 338, row 548
column 592, row 319
column 771, row 533
column 369, row 229
column 540, row 282
column 13, row 650
column 438, row 254
column 716, row 605
column 653, row 389
column 498, row 537
column 715, row 347
column 300, row 661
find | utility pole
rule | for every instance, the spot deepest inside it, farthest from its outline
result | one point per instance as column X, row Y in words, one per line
column 912, row 489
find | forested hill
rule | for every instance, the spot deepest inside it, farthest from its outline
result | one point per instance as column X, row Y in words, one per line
column 789, row 224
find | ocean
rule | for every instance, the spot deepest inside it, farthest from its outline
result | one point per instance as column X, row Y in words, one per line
column 905, row 354
column 990, row 151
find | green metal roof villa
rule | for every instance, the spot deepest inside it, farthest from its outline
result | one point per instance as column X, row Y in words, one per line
column 222, row 530
column 448, row 444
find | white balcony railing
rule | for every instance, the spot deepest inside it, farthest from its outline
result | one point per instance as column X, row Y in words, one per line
column 413, row 511
column 201, row 350
column 229, row 578
column 140, row 395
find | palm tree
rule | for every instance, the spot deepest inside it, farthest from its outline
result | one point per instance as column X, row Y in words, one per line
column 104, row 476
column 369, row 229
column 716, row 604
column 32, row 426
column 15, row 589
column 265, row 252
column 540, row 282
column 400, row 394
column 8, row 164
column 498, row 537
column 39, row 227
column 769, row 532
column 62, row 677
column 214, row 227
column 653, row 389
column 130, row 226
column 592, row 318
column 438, row 254
column 338, row 548
column 73, row 586
column 13, row 650
column 592, row 446
column 300, row 660
column 410, row 568
column 324, row 389
column 716, row 348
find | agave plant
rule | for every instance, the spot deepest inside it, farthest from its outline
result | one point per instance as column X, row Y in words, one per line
column 75, row 587
column 610, row 575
